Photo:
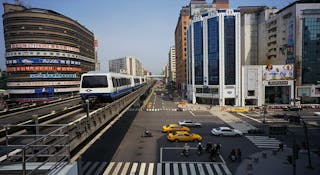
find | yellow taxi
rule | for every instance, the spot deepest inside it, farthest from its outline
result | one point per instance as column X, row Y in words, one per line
column 174, row 127
column 236, row 110
column 183, row 136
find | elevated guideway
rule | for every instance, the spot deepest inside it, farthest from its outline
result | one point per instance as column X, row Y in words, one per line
column 52, row 150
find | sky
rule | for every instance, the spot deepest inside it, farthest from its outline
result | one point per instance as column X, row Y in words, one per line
column 140, row 28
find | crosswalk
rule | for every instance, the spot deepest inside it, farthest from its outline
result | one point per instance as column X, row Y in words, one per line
column 172, row 168
column 159, row 109
column 264, row 142
column 91, row 168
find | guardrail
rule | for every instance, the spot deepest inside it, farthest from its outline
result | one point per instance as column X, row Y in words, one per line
column 43, row 149
column 77, row 132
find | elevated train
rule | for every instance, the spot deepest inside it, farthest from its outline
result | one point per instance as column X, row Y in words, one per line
column 107, row 87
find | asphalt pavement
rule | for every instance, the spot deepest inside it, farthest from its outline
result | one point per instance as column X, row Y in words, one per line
column 126, row 149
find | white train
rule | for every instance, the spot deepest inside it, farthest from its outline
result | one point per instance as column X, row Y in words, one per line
column 106, row 87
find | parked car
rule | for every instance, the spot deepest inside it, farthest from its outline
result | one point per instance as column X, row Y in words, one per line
column 293, row 118
column 174, row 127
column 179, row 109
column 226, row 131
column 183, row 136
column 189, row 123
column 239, row 110
column 279, row 116
column 292, row 108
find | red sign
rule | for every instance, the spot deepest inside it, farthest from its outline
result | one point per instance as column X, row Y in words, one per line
column 43, row 69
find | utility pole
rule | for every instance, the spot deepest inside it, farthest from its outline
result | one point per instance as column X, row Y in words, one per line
column 307, row 143
column 264, row 113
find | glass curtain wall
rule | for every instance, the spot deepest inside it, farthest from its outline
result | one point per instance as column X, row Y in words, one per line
column 213, row 51
column 198, row 53
column 229, row 50
column 311, row 51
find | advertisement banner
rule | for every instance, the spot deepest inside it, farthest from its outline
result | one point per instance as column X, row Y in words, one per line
column 41, row 90
column 44, row 90
column 278, row 72
column 315, row 91
column 48, row 53
column 53, row 76
column 43, row 83
column 43, row 69
column 43, row 46
column 41, row 61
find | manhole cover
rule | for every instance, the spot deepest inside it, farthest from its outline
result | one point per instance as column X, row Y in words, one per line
column 138, row 154
column 141, row 141
column 140, row 147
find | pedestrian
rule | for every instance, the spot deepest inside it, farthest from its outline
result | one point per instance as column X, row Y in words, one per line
column 232, row 155
column 218, row 147
column 280, row 147
column 209, row 147
column 199, row 148
column 238, row 154
column 185, row 151
column 213, row 154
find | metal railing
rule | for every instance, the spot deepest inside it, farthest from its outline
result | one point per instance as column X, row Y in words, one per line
column 50, row 150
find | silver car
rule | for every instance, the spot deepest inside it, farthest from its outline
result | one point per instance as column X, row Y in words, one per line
column 189, row 123
column 226, row 131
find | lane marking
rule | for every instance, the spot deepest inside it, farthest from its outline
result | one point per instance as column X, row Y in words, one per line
column 107, row 171
column 250, row 117
column 150, row 169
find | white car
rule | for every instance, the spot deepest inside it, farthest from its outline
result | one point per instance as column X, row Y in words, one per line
column 189, row 123
column 226, row 131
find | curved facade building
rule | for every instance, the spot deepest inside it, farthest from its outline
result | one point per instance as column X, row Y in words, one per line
column 46, row 52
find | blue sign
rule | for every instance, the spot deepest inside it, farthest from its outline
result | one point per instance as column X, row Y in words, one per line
column 42, row 61
column 44, row 90
column 53, row 76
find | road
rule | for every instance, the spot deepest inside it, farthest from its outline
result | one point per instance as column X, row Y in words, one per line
column 123, row 149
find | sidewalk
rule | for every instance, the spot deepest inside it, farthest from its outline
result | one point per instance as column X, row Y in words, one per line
column 270, row 162
column 233, row 121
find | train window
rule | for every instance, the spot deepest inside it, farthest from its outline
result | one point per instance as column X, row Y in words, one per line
column 94, row 82
column 118, row 82
column 114, row 82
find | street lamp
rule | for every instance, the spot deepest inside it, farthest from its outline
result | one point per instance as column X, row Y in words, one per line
column 264, row 113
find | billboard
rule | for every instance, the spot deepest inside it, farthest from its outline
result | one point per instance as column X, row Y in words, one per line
column 44, row 83
column 53, row 75
column 315, row 91
column 43, row 69
column 278, row 72
column 43, row 46
column 42, row 61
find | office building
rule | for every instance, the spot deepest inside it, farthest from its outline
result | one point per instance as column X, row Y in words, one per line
column 214, row 60
column 253, row 33
column 195, row 8
column 126, row 65
column 46, row 52
column 293, row 38
column 267, row 84
column 172, row 64
column 181, row 48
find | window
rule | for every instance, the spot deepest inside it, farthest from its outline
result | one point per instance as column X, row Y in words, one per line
column 251, row 93
column 213, row 51
column 198, row 52
column 94, row 82
column 229, row 41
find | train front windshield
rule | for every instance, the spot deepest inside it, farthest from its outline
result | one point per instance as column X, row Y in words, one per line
column 94, row 82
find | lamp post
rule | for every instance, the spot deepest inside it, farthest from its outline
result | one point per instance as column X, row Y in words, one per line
column 264, row 113
column 293, row 152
